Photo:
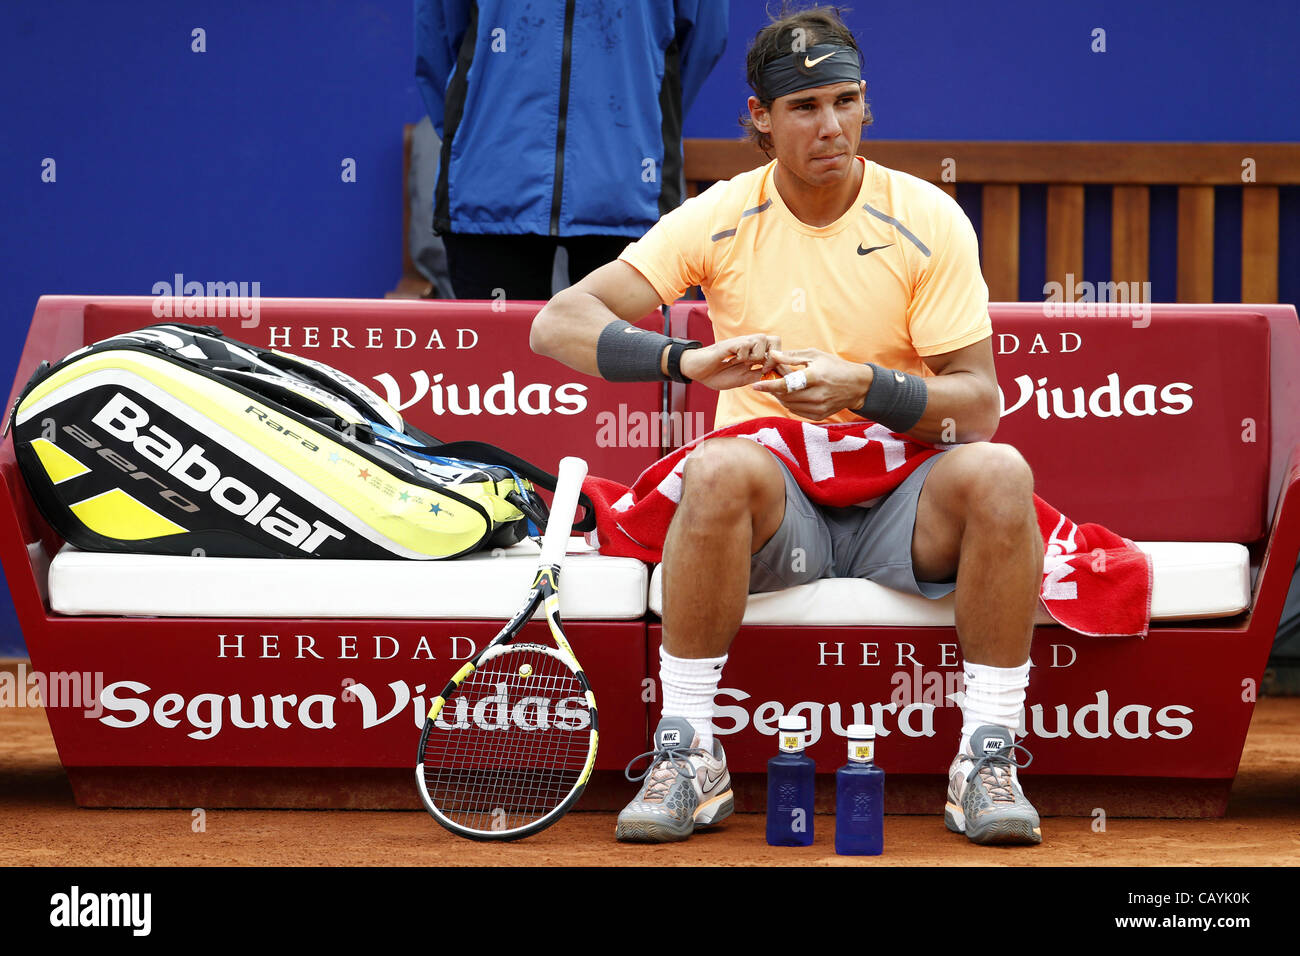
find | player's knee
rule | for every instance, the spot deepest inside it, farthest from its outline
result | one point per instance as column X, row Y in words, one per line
column 998, row 482
column 732, row 474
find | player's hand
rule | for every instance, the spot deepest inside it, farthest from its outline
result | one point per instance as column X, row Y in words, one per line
column 731, row 363
column 833, row 383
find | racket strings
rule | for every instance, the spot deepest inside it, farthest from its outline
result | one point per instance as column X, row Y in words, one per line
column 511, row 745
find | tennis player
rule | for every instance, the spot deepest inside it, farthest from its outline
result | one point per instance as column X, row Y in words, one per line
column 862, row 284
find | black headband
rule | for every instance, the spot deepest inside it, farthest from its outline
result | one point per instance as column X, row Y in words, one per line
column 819, row 65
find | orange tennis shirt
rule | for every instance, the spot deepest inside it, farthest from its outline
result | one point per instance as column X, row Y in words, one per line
column 895, row 278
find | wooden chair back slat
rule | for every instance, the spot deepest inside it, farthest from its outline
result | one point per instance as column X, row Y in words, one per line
column 1196, row 244
column 1259, row 229
column 1130, row 239
column 1064, row 234
column 1000, row 244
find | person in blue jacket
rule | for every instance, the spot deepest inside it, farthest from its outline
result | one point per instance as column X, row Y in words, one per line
column 561, row 125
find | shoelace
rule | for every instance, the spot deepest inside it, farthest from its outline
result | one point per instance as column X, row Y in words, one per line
column 661, row 766
column 998, row 773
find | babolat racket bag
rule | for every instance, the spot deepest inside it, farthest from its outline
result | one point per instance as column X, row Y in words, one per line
column 175, row 440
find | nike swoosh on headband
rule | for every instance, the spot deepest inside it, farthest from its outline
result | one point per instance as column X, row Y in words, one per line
column 809, row 64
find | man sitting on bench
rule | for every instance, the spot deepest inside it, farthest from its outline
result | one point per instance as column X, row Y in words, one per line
column 875, row 275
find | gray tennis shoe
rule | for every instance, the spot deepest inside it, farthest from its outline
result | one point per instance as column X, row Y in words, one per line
column 985, row 801
column 685, row 787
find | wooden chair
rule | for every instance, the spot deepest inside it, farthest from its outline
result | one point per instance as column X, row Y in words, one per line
column 1000, row 169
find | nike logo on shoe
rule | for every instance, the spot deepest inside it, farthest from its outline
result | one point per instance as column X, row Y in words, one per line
column 709, row 779
column 867, row 252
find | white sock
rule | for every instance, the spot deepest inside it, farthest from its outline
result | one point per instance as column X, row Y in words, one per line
column 994, row 695
column 688, row 689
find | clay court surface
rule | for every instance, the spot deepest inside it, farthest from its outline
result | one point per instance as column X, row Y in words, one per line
column 43, row 826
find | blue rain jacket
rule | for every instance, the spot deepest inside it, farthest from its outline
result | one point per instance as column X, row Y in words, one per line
column 561, row 117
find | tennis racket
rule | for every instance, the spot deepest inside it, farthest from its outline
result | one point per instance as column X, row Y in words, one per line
column 508, row 746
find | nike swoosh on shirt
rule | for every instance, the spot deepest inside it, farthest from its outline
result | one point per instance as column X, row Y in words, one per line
column 865, row 252
column 809, row 64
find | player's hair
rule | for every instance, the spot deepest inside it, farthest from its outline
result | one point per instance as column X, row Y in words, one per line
column 822, row 24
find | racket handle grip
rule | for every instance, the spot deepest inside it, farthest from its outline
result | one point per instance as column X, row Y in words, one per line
column 563, row 508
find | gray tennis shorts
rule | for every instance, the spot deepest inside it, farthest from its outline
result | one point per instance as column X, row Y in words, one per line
column 817, row 542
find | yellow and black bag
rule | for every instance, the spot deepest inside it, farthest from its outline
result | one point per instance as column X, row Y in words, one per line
column 176, row 440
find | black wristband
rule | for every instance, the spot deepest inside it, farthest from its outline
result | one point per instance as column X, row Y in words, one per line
column 675, row 351
column 895, row 399
column 625, row 353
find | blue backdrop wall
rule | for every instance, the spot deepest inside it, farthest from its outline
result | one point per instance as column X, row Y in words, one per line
column 226, row 164
column 1173, row 70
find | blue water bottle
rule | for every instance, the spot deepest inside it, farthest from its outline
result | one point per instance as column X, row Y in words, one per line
column 790, row 787
column 860, row 797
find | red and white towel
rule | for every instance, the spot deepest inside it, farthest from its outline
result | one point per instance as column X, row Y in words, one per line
column 1095, row 582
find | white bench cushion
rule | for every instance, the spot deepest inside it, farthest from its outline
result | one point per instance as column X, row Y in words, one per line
column 593, row 587
column 1192, row 581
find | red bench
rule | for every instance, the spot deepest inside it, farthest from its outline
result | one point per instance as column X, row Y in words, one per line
column 1176, row 705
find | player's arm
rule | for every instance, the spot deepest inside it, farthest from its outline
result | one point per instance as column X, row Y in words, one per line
column 958, row 404
column 588, row 328
column 962, row 402
column 569, row 326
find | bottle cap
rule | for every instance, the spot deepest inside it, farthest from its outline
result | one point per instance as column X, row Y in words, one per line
column 790, row 734
column 862, row 743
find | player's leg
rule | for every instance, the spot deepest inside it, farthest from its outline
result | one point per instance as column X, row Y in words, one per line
column 733, row 500
column 975, row 518
column 731, row 533
column 742, row 525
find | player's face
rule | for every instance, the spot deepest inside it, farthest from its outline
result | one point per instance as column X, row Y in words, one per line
column 815, row 132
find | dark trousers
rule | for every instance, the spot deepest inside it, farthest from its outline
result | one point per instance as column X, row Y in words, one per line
column 521, row 266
